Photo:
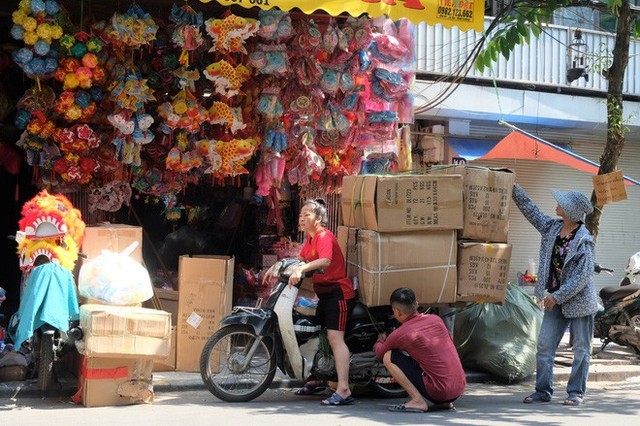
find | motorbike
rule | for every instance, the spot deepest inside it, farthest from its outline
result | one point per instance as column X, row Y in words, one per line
column 239, row 361
column 46, row 324
column 619, row 320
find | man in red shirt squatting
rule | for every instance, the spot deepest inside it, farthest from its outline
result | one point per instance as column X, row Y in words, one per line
column 421, row 357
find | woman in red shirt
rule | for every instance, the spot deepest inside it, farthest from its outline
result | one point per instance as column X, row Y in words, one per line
column 336, row 295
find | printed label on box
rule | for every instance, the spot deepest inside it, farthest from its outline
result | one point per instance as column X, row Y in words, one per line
column 194, row 320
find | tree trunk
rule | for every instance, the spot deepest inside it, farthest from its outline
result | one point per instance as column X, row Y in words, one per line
column 615, row 118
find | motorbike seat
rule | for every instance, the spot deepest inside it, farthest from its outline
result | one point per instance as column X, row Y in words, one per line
column 359, row 311
column 614, row 292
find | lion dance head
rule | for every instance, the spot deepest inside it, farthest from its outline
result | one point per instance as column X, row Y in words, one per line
column 51, row 230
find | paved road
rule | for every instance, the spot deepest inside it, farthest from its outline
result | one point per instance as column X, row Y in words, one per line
column 483, row 404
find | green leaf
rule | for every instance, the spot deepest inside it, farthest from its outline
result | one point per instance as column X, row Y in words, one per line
column 513, row 36
column 480, row 62
column 636, row 28
column 535, row 29
column 494, row 54
column 523, row 29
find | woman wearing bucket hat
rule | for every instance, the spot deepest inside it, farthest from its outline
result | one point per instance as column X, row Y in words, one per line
column 565, row 286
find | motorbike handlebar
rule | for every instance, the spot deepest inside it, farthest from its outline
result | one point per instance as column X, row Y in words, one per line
column 598, row 268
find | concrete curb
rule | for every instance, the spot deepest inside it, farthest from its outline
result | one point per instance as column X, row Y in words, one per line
column 616, row 364
column 171, row 382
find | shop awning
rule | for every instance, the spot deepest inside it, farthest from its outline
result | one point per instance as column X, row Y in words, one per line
column 468, row 148
column 464, row 14
column 523, row 146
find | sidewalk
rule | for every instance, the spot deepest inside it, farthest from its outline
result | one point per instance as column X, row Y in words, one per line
column 615, row 364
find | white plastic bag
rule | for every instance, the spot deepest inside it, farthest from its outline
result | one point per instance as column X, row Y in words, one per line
column 115, row 279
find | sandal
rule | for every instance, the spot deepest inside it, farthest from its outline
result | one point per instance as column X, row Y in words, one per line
column 336, row 399
column 443, row 407
column 401, row 408
column 309, row 389
column 573, row 400
column 537, row 397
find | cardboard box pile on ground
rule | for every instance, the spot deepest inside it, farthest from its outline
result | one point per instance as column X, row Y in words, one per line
column 125, row 332
column 483, row 253
column 483, row 271
column 392, row 203
column 168, row 302
column 424, row 261
column 169, row 363
column 206, row 290
column 113, row 237
column 114, row 381
column 487, row 200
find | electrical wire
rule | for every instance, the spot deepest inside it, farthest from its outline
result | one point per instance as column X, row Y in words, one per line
column 456, row 76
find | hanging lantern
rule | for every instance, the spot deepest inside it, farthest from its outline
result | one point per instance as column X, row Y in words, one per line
column 577, row 53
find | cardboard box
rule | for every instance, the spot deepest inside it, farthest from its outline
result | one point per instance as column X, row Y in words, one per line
column 114, row 381
column 483, row 271
column 423, row 261
column 206, row 290
column 487, row 201
column 124, row 332
column 113, row 237
column 394, row 203
column 169, row 363
column 347, row 240
column 168, row 302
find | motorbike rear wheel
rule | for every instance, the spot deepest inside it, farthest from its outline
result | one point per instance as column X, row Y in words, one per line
column 634, row 321
column 45, row 360
column 223, row 359
column 386, row 387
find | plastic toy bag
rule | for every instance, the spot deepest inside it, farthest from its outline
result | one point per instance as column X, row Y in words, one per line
column 115, row 279
column 500, row 339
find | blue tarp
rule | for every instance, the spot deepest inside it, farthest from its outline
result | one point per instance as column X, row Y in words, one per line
column 49, row 297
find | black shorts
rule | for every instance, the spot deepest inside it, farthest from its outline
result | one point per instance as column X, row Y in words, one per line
column 414, row 373
column 333, row 310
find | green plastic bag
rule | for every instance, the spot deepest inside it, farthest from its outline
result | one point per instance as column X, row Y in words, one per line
column 500, row 339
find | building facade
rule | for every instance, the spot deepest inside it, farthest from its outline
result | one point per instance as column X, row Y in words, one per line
column 530, row 91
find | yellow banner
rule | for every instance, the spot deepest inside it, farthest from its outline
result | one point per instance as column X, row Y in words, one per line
column 464, row 14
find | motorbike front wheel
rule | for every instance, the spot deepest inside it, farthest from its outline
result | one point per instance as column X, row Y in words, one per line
column 236, row 365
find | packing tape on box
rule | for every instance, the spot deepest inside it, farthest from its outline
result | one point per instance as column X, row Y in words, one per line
column 448, row 266
column 87, row 373
column 444, row 282
column 102, row 373
column 355, row 203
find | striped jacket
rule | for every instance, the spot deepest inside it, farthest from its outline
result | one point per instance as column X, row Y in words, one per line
column 577, row 292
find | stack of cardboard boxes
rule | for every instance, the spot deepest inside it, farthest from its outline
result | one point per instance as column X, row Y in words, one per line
column 120, row 343
column 205, row 294
column 400, row 231
column 190, row 313
column 483, row 252
column 442, row 234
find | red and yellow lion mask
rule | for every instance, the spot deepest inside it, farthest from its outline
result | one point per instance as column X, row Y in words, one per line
column 50, row 228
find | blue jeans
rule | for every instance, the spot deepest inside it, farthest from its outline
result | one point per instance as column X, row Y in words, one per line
column 553, row 327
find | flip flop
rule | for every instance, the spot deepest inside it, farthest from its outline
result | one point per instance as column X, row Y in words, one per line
column 537, row 398
column 336, row 399
column 443, row 407
column 573, row 400
column 308, row 389
column 401, row 408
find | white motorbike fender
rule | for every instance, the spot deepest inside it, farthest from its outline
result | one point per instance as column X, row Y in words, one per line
column 284, row 309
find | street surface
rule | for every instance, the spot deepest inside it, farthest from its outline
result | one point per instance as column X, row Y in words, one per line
column 614, row 403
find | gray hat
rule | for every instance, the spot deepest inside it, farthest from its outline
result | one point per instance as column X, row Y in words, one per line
column 574, row 204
